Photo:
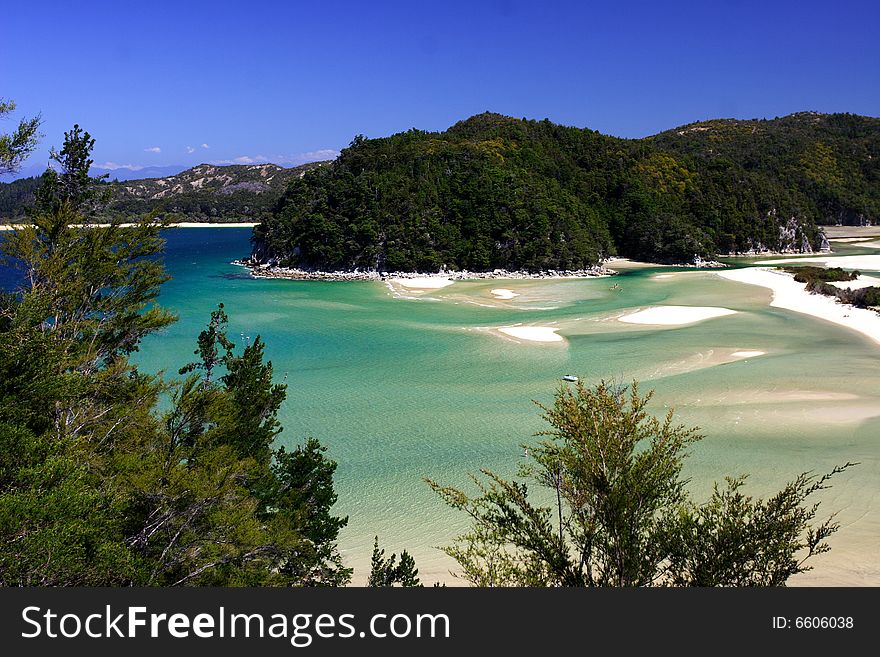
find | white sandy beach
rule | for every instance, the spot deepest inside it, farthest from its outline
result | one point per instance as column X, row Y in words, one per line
column 532, row 333
column 791, row 295
column 674, row 315
column 858, row 284
column 503, row 294
column 426, row 283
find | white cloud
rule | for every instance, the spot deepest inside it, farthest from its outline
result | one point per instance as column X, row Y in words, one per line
column 190, row 150
column 116, row 165
column 205, row 146
column 245, row 159
column 310, row 156
column 153, row 149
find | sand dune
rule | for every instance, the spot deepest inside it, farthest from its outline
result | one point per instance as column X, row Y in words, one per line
column 674, row 315
column 861, row 262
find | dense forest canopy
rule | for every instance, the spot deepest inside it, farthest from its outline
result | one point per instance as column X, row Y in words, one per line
column 498, row 192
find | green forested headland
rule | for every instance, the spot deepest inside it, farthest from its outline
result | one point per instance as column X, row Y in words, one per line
column 498, row 192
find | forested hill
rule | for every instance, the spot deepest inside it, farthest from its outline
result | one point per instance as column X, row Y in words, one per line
column 498, row 192
column 207, row 192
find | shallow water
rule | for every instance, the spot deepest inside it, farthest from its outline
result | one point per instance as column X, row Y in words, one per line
column 402, row 387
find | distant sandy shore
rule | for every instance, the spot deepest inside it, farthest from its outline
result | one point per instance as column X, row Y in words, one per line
column 503, row 294
column 674, row 315
column 259, row 270
column 791, row 295
column 748, row 353
column 182, row 224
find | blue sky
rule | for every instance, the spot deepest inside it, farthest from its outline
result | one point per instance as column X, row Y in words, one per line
column 160, row 83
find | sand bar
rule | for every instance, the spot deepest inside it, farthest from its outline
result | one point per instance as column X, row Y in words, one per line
column 426, row 283
column 532, row 333
column 503, row 293
column 748, row 353
column 791, row 295
column 674, row 315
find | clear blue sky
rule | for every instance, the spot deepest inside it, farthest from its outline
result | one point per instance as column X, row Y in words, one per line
column 285, row 81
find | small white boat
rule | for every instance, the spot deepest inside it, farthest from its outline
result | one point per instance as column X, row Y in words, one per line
column 570, row 377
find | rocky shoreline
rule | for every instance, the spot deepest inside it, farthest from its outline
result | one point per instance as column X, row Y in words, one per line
column 259, row 270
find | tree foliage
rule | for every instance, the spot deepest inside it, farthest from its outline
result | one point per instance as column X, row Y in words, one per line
column 621, row 514
column 493, row 191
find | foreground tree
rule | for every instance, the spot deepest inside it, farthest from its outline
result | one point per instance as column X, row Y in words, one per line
column 16, row 146
column 98, row 486
column 621, row 514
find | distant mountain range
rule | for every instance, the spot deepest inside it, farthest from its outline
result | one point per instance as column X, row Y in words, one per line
column 205, row 192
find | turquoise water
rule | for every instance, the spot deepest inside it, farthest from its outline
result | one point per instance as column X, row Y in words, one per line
column 405, row 388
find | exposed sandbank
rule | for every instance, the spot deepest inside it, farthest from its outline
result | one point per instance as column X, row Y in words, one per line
column 503, row 293
column 181, row 224
column 791, row 295
column 432, row 283
column 674, row 315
